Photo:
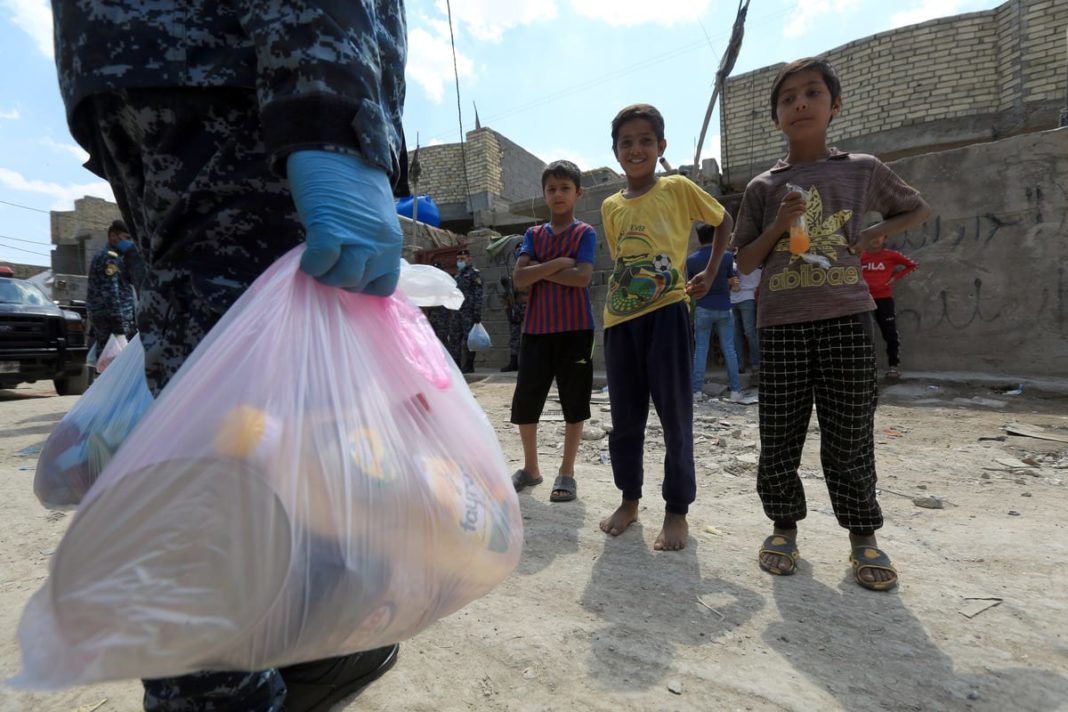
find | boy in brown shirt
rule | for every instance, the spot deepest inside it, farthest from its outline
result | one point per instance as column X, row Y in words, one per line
column 814, row 317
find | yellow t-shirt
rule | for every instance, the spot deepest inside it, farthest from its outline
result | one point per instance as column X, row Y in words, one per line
column 648, row 237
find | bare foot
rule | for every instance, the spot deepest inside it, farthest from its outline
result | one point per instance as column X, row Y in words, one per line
column 623, row 517
column 780, row 563
column 675, row 533
column 878, row 578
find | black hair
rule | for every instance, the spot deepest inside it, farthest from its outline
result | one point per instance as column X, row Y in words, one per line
column 821, row 65
column 648, row 112
column 705, row 234
column 117, row 227
column 562, row 169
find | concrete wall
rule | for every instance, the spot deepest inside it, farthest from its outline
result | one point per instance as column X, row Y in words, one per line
column 944, row 83
column 498, row 171
column 23, row 271
column 991, row 293
column 520, row 170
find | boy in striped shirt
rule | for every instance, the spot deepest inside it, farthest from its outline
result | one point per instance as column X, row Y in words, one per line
column 556, row 264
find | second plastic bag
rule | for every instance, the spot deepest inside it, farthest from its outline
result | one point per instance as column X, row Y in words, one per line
column 114, row 346
column 87, row 437
column 317, row 479
column 478, row 339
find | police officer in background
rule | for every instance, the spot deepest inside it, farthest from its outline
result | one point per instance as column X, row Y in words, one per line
column 515, row 302
column 225, row 128
column 116, row 270
column 469, row 282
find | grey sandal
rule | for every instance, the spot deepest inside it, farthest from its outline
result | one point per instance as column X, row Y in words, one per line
column 522, row 479
column 565, row 489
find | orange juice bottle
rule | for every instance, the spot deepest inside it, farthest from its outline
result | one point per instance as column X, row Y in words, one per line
column 799, row 241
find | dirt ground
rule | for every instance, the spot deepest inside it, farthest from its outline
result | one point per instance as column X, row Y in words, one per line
column 592, row 623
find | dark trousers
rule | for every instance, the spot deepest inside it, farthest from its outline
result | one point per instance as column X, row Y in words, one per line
column 832, row 362
column 651, row 356
column 884, row 315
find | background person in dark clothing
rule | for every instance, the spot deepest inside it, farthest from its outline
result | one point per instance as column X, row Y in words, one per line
column 116, row 271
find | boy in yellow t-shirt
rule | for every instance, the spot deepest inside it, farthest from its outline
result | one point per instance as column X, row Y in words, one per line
column 646, row 318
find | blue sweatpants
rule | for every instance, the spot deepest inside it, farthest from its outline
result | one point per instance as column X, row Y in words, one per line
column 650, row 355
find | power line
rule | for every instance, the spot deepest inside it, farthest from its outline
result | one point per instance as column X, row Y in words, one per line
column 758, row 21
column 459, row 114
column 90, row 223
column 19, row 249
column 26, row 207
column 19, row 239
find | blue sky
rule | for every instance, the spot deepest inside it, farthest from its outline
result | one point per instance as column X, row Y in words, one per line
column 548, row 74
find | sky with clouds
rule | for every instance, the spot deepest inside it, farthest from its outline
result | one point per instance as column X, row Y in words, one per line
column 548, row 74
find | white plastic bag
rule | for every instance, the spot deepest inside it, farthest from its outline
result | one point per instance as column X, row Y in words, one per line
column 478, row 339
column 428, row 286
column 87, row 437
column 116, row 343
column 317, row 479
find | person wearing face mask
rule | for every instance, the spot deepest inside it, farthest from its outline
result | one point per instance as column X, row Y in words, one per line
column 469, row 282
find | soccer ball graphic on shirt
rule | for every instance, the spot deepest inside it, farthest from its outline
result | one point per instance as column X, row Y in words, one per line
column 662, row 263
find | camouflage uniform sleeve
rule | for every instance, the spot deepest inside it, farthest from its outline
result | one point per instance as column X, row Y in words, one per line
column 134, row 268
column 330, row 76
column 94, row 295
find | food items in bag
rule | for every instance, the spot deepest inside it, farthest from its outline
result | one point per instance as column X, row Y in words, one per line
column 87, row 437
column 316, row 480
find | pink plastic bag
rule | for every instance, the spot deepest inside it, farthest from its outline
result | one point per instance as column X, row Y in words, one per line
column 112, row 349
column 316, row 480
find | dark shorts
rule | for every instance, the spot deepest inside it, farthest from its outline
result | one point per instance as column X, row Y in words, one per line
column 567, row 357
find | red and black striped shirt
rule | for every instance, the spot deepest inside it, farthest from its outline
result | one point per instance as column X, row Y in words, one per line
column 552, row 307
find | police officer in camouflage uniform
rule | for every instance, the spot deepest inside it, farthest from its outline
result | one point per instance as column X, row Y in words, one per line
column 469, row 282
column 223, row 128
column 515, row 303
column 116, row 269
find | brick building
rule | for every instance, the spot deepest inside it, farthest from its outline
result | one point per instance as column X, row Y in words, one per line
column 77, row 234
column 950, row 82
column 498, row 171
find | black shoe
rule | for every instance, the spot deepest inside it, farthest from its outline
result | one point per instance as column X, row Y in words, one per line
column 512, row 365
column 320, row 684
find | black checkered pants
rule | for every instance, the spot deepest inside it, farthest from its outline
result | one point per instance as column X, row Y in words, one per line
column 832, row 362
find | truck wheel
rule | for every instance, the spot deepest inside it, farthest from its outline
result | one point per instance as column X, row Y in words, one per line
column 72, row 385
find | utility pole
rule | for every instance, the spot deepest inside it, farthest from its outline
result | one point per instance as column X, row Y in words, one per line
column 1064, row 112
column 730, row 56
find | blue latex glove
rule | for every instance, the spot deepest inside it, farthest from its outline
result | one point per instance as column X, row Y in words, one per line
column 346, row 205
column 124, row 246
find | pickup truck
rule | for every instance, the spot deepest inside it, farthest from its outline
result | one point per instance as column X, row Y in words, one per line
column 39, row 340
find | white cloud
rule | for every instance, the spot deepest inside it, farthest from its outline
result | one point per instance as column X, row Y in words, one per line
column 435, row 142
column 63, row 195
column 34, row 17
column 70, row 149
column 490, row 19
column 430, row 63
column 927, row 10
column 713, row 148
column 628, row 13
column 806, row 12
column 9, row 114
